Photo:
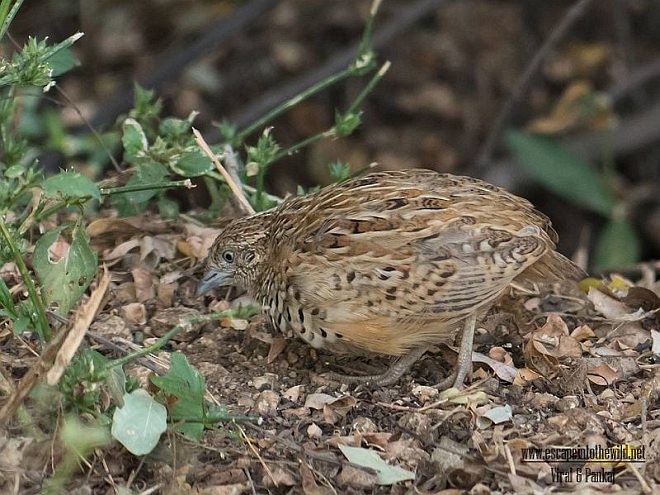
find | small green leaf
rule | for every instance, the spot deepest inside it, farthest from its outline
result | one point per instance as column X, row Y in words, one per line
column 134, row 203
column 186, row 384
column 174, row 129
column 387, row 475
column 14, row 171
column 116, row 382
column 63, row 281
column 70, row 185
column 139, row 423
column 618, row 245
column 561, row 171
column 134, row 140
column 192, row 164
column 6, row 301
column 62, row 61
column 168, row 208
column 346, row 123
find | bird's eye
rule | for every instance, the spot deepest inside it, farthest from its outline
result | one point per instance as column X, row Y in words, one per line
column 228, row 256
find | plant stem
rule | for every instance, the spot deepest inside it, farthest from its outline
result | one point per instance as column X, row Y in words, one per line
column 147, row 187
column 305, row 142
column 316, row 88
column 369, row 87
column 43, row 327
column 214, row 192
column 333, row 131
column 167, row 336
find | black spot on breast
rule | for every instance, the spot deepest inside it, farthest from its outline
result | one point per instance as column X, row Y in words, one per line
column 339, row 336
column 288, row 314
column 350, row 276
column 431, row 292
column 315, row 311
column 446, row 273
column 301, row 315
column 391, row 290
column 324, row 334
column 390, row 297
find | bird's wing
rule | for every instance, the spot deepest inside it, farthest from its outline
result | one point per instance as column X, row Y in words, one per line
column 386, row 288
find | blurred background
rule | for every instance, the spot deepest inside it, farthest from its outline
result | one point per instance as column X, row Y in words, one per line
column 594, row 100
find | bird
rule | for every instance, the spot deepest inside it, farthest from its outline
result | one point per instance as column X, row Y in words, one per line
column 388, row 263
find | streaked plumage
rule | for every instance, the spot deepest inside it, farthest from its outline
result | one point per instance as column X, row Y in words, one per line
column 388, row 262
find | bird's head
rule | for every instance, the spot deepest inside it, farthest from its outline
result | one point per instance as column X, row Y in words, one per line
column 236, row 255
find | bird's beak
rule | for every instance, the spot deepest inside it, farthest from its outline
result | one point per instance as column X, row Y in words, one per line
column 210, row 280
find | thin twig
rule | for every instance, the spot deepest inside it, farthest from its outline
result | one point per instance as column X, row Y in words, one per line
column 256, row 453
column 246, row 206
column 89, row 126
column 401, row 20
column 173, row 62
column 558, row 32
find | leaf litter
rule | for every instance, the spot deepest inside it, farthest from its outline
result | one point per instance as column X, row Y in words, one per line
column 583, row 372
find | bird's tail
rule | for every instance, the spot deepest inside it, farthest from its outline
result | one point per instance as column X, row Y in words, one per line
column 553, row 267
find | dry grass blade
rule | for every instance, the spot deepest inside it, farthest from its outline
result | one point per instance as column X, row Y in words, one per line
column 82, row 320
column 242, row 200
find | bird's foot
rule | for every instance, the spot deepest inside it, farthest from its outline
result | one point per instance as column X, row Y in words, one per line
column 389, row 377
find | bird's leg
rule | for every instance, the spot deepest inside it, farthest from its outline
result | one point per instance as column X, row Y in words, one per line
column 464, row 360
column 389, row 377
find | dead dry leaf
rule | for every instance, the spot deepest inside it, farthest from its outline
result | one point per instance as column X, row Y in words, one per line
column 82, row 320
column 602, row 375
column 277, row 345
column 144, row 284
column 134, row 313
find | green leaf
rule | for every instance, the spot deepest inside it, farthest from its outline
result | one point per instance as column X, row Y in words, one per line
column 168, row 208
column 139, row 423
column 116, row 382
column 186, row 384
column 193, row 164
column 346, row 123
column 14, row 171
column 387, row 475
column 561, row 171
column 6, row 301
column 618, row 245
column 63, row 281
column 70, row 185
column 62, row 61
column 7, row 14
column 133, row 203
column 134, row 140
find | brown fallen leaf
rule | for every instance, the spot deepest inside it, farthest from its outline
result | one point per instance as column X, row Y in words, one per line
column 277, row 345
column 144, row 284
column 134, row 313
column 602, row 375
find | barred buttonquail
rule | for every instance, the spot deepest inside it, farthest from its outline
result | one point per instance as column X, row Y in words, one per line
column 388, row 263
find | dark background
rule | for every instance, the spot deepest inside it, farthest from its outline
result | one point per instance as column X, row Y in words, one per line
column 453, row 69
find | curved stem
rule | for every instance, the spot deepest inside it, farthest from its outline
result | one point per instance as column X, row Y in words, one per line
column 43, row 327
